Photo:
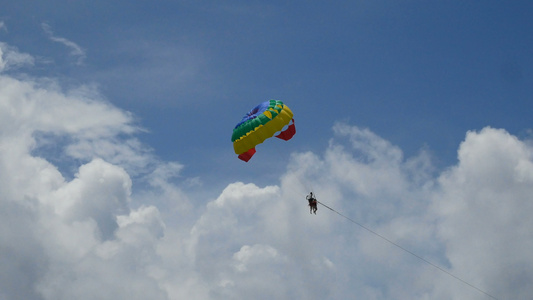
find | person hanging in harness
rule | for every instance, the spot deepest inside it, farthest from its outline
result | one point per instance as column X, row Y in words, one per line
column 312, row 203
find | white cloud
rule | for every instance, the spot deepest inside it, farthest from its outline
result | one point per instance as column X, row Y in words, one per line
column 11, row 58
column 485, row 210
column 67, row 237
column 99, row 192
column 85, row 238
column 75, row 50
column 254, row 255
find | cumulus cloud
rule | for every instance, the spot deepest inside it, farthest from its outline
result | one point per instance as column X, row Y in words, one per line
column 75, row 50
column 61, row 238
column 92, row 235
column 484, row 210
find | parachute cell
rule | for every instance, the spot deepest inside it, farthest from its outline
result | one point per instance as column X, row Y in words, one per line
column 261, row 123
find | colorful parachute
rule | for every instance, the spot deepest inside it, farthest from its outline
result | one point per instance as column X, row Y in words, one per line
column 261, row 123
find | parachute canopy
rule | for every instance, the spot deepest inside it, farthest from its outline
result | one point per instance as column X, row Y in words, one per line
column 261, row 123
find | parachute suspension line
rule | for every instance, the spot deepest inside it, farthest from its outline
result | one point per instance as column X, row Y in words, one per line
column 408, row 251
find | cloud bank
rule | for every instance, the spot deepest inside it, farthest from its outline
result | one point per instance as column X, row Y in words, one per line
column 88, row 235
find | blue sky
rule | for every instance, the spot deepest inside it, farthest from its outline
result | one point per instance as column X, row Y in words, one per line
column 412, row 117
